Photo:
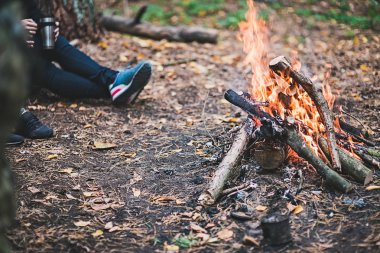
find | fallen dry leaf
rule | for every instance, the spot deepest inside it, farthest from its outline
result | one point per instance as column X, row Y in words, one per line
column 66, row 170
column 108, row 225
column 82, row 223
column 298, row 209
column 373, row 187
column 171, row 248
column 103, row 145
column 90, row 194
column 33, row 189
column 97, row 233
column 250, row 240
column 225, row 234
column 136, row 192
column 99, row 207
column 197, row 228
column 51, row 157
column 261, row 208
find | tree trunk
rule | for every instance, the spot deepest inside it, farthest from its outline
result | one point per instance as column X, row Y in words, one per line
column 13, row 61
column 78, row 19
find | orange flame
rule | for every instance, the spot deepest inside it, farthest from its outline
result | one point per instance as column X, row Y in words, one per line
column 284, row 98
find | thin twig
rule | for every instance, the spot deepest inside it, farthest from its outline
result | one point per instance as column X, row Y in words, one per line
column 355, row 118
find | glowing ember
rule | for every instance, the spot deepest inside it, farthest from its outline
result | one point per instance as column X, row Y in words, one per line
column 284, row 99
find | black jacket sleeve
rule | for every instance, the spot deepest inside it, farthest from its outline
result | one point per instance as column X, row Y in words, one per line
column 31, row 10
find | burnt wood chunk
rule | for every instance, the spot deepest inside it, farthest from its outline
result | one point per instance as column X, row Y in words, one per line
column 281, row 66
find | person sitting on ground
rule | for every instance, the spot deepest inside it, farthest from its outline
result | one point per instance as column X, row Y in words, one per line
column 79, row 75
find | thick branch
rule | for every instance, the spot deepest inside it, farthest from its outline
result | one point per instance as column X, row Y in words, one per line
column 283, row 68
column 333, row 179
column 229, row 165
column 171, row 33
column 350, row 165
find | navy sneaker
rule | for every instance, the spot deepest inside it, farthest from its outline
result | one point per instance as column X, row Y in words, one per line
column 31, row 127
column 130, row 83
column 15, row 139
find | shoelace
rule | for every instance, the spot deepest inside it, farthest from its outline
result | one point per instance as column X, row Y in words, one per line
column 33, row 122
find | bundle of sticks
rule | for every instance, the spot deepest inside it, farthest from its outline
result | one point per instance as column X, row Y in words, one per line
column 287, row 131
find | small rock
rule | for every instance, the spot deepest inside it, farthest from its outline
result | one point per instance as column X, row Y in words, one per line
column 198, row 180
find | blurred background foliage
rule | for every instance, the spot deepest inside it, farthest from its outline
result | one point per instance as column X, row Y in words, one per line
column 362, row 14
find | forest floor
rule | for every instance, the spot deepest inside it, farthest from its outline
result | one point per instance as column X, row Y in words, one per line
column 141, row 194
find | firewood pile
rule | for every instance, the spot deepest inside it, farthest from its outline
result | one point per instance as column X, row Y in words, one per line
column 290, row 116
column 334, row 157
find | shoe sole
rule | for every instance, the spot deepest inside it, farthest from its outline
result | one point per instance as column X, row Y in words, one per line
column 15, row 143
column 137, row 84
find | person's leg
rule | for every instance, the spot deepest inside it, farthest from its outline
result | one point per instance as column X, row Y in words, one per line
column 29, row 126
column 75, row 61
column 70, row 85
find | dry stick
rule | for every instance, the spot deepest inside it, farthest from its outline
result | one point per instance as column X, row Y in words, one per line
column 228, row 167
column 271, row 129
column 281, row 66
column 370, row 160
column 350, row 165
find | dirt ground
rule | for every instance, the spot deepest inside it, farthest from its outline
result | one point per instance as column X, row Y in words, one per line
column 141, row 194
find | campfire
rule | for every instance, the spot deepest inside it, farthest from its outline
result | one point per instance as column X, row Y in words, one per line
column 288, row 111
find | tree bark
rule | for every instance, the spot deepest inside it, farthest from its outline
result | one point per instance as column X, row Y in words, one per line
column 13, row 61
column 171, row 33
column 77, row 18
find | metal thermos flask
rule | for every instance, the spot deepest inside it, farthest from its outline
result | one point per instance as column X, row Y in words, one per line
column 47, row 26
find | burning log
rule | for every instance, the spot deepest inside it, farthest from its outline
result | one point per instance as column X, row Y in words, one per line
column 281, row 66
column 228, row 167
column 272, row 128
column 350, row 165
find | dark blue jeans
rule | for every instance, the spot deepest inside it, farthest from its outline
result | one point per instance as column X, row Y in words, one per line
column 80, row 76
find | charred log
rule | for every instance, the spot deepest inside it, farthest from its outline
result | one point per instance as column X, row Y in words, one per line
column 350, row 165
column 283, row 68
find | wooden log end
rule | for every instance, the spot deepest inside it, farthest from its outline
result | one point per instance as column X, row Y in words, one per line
column 279, row 64
column 369, row 178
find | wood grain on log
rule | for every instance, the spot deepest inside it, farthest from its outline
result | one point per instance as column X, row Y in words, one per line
column 229, row 165
column 350, row 165
column 171, row 33
column 281, row 66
